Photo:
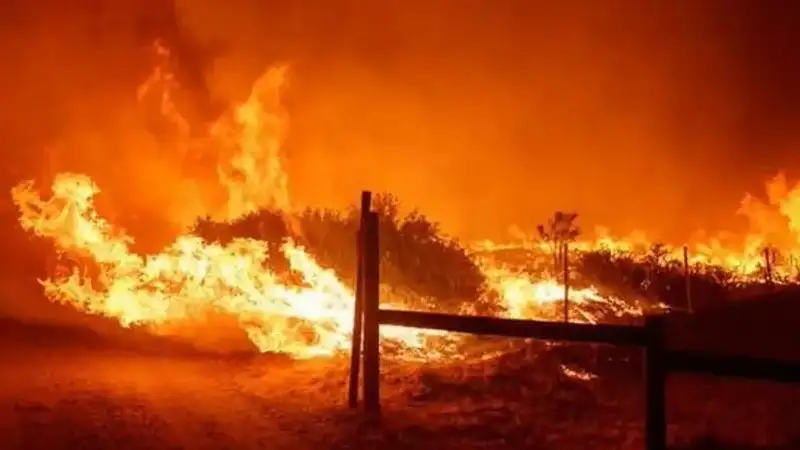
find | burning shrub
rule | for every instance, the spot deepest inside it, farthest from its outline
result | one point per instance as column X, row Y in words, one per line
column 416, row 260
column 267, row 225
column 655, row 279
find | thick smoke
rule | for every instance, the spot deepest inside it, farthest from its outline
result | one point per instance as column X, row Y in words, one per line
column 484, row 115
column 69, row 103
column 636, row 116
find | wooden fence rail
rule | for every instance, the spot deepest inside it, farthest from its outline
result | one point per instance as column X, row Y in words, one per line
column 554, row 331
column 733, row 366
column 659, row 360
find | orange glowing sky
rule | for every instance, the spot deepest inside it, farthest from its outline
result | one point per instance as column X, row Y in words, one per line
column 484, row 117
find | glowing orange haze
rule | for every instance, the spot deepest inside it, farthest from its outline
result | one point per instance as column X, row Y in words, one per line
column 192, row 277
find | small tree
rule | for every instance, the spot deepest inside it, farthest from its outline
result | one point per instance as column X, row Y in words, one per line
column 559, row 230
column 657, row 256
column 655, row 264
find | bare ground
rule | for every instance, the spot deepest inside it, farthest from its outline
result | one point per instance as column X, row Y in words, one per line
column 60, row 393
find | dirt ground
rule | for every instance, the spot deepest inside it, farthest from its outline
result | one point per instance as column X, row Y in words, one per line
column 88, row 400
column 65, row 396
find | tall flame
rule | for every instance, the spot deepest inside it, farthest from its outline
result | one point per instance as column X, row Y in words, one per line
column 253, row 172
column 190, row 277
column 311, row 315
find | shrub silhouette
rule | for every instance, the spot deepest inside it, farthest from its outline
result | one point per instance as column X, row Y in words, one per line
column 425, row 270
column 655, row 278
column 416, row 261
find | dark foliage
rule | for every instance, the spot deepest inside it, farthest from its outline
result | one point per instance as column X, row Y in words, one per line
column 417, row 262
column 415, row 258
column 657, row 278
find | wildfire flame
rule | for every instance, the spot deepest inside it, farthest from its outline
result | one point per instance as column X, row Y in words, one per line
column 314, row 316
column 192, row 276
column 774, row 241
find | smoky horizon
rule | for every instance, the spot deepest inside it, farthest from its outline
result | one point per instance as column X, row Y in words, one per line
column 647, row 116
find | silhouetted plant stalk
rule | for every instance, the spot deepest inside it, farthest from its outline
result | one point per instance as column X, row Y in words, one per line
column 560, row 230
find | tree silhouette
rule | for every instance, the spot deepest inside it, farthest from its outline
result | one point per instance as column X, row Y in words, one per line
column 657, row 255
column 558, row 232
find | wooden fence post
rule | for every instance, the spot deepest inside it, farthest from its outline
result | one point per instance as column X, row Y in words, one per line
column 358, row 308
column 371, row 307
column 655, row 385
column 687, row 275
column 566, row 281
column 768, row 264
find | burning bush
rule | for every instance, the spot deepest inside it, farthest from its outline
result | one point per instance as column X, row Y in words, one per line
column 417, row 262
column 661, row 281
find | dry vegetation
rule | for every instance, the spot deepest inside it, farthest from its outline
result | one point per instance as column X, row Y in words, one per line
column 68, row 387
column 415, row 259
